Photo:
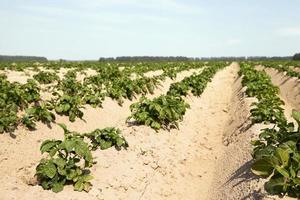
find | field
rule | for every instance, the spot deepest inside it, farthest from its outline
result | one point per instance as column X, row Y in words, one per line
column 150, row 130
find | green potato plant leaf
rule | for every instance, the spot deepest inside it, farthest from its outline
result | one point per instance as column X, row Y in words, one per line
column 68, row 161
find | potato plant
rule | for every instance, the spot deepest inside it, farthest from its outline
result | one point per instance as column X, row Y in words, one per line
column 38, row 112
column 70, row 106
column 162, row 112
column 45, row 77
column 106, row 138
column 68, row 161
column 277, row 157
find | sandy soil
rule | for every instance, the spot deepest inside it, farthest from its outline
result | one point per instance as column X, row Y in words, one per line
column 289, row 87
column 208, row 158
column 22, row 76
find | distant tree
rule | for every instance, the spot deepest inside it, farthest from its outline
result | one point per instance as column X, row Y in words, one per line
column 22, row 58
column 296, row 56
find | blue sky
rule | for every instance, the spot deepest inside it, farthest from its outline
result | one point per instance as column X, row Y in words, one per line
column 88, row 29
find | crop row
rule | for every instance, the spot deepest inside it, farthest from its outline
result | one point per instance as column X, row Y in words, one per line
column 70, row 95
column 276, row 152
column 282, row 68
column 166, row 110
column 127, row 67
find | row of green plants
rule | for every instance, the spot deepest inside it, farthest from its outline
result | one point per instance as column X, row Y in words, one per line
column 108, row 82
column 283, row 67
column 44, row 77
column 195, row 83
column 276, row 153
column 128, row 67
column 167, row 110
column 68, row 161
column 22, row 103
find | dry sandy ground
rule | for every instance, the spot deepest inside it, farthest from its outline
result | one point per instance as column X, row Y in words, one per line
column 289, row 87
column 22, row 76
column 208, row 158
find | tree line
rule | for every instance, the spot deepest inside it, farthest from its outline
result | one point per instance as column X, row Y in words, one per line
column 183, row 58
column 22, row 58
column 296, row 56
column 158, row 58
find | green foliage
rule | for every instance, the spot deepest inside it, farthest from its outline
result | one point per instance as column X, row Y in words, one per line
column 170, row 72
column 8, row 120
column 161, row 112
column 166, row 110
column 276, row 153
column 44, row 77
column 70, row 86
column 13, row 98
column 64, row 164
column 71, row 74
column 93, row 98
column 179, row 89
column 127, row 88
column 195, row 83
column 68, row 161
column 277, row 157
column 39, row 112
column 268, row 109
column 70, row 106
column 30, row 91
column 106, row 138
column 284, row 67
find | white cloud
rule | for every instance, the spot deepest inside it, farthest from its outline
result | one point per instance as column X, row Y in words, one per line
column 289, row 31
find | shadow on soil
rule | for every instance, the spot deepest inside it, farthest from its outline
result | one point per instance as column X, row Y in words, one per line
column 244, row 174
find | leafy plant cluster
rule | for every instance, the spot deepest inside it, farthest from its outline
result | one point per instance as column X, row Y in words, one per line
column 195, row 83
column 45, row 77
column 276, row 153
column 166, row 110
column 170, row 72
column 15, row 97
column 39, row 112
column 161, row 112
column 68, row 161
column 71, row 96
column 268, row 109
column 128, row 89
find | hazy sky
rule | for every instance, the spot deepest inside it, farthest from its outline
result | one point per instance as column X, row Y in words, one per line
column 88, row 29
